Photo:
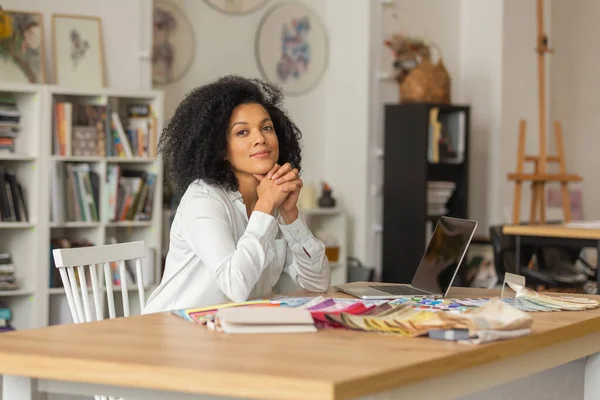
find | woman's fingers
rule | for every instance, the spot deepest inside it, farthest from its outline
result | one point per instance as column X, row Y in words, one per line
column 275, row 168
column 292, row 186
column 290, row 176
column 289, row 187
column 285, row 168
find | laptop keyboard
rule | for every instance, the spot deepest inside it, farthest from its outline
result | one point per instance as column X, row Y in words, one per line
column 400, row 290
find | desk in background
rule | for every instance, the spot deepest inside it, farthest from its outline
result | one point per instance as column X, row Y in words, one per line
column 554, row 235
column 161, row 356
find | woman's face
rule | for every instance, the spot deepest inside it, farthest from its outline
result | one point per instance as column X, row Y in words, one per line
column 252, row 145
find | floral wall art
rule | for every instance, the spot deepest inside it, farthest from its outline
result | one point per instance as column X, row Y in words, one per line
column 292, row 47
column 21, row 47
column 78, row 51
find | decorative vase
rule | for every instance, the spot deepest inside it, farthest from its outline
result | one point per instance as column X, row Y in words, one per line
column 326, row 200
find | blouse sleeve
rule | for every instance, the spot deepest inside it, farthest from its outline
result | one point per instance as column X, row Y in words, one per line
column 309, row 271
column 237, row 268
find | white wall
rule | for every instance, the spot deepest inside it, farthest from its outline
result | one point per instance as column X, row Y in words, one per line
column 122, row 34
column 480, row 80
column 346, row 119
column 575, row 87
column 519, row 101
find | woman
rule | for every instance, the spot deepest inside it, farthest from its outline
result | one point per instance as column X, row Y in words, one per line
column 235, row 157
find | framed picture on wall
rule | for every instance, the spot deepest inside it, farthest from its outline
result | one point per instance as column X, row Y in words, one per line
column 173, row 43
column 78, row 51
column 22, row 47
column 236, row 6
column 292, row 47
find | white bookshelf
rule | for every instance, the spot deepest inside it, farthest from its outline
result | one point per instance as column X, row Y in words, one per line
column 35, row 304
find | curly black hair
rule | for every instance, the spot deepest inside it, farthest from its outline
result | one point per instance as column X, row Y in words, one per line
column 194, row 142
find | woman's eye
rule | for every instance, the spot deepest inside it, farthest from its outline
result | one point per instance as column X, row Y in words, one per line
column 242, row 133
column 268, row 128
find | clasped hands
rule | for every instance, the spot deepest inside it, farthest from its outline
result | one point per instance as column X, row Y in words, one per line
column 279, row 189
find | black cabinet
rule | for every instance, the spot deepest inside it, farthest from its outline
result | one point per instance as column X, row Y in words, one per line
column 421, row 182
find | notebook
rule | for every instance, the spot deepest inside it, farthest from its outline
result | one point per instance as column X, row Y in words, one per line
column 264, row 320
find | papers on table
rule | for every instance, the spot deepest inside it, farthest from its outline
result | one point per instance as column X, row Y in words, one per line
column 471, row 320
column 529, row 300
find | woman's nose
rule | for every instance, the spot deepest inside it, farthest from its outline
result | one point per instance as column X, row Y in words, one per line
column 259, row 137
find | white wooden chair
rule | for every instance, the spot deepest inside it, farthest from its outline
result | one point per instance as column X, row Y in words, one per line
column 68, row 260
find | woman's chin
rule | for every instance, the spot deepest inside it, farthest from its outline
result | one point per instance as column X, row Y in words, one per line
column 263, row 167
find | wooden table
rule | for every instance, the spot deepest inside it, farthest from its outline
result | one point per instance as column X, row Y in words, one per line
column 161, row 356
column 554, row 235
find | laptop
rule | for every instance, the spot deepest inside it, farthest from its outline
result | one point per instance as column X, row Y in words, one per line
column 438, row 267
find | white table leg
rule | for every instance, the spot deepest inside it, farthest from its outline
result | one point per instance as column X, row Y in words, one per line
column 592, row 377
column 17, row 388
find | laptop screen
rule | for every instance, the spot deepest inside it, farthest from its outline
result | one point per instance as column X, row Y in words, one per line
column 444, row 253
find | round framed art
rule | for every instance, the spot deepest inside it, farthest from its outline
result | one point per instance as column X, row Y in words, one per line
column 292, row 47
column 236, row 6
column 174, row 43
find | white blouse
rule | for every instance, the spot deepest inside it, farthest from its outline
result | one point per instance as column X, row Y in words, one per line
column 217, row 254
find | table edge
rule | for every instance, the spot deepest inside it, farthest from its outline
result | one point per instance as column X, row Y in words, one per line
column 278, row 387
column 559, row 231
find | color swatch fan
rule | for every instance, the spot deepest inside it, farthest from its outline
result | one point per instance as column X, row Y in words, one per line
column 529, row 300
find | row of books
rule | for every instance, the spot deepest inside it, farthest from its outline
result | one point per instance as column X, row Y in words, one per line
column 128, row 195
column 438, row 194
column 13, row 207
column 8, row 278
column 75, row 193
column 96, row 130
column 10, row 118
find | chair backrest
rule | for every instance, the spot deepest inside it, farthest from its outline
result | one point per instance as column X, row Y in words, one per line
column 72, row 264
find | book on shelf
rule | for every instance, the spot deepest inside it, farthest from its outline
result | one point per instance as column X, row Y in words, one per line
column 8, row 278
column 5, row 319
column 434, row 135
column 446, row 140
column 13, row 207
column 82, row 129
column 9, row 123
column 129, row 194
column 75, row 193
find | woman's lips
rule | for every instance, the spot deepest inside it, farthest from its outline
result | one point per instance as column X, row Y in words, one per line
column 261, row 154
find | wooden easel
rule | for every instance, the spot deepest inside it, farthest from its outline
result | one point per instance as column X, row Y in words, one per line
column 540, row 175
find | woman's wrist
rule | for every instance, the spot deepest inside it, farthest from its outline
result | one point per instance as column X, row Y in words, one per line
column 289, row 216
column 264, row 206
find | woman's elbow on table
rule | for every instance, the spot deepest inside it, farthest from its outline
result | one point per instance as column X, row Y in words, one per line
column 316, row 281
